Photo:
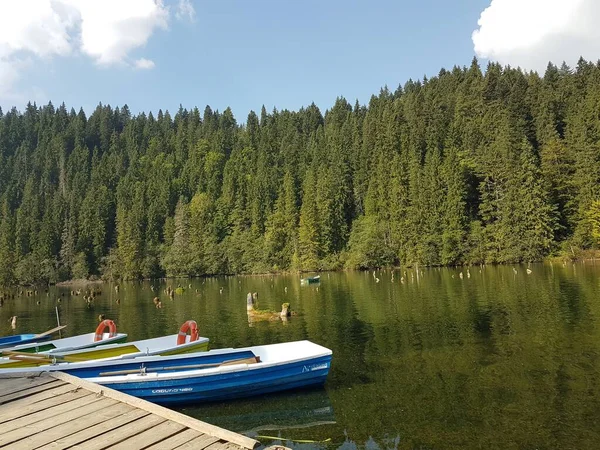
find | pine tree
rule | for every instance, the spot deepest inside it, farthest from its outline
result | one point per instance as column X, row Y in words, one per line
column 454, row 213
column 7, row 254
column 130, row 232
column 593, row 216
column 178, row 259
column 280, row 235
column 309, row 244
column 533, row 228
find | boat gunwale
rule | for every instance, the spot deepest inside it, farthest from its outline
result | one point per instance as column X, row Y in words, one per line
column 86, row 346
column 201, row 340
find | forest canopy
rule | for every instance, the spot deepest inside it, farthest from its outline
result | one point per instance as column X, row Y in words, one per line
column 466, row 167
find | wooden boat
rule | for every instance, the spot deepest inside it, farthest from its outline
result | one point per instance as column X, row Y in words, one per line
column 214, row 375
column 311, row 280
column 165, row 345
column 22, row 339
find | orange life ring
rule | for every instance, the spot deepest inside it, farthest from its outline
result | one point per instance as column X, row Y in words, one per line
column 112, row 330
column 190, row 326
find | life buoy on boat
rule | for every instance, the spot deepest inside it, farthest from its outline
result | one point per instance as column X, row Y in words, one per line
column 190, row 326
column 112, row 329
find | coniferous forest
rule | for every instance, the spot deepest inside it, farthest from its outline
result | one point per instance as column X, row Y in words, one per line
column 466, row 167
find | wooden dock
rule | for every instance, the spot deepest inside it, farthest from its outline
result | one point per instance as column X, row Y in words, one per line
column 59, row 411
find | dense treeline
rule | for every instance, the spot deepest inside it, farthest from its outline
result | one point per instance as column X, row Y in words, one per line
column 464, row 167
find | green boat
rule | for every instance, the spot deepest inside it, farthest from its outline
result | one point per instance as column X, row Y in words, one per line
column 311, row 280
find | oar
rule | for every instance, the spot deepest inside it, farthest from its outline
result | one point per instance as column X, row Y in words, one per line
column 32, row 359
column 53, row 330
column 42, row 356
column 15, row 353
column 28, row 358
column 250, row 360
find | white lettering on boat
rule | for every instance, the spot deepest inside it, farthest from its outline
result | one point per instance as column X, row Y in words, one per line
column 314, row 367
column 172, row 390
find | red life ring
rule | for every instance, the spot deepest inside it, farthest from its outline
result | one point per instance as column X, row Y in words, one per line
column 190, row 326
column 112, row 330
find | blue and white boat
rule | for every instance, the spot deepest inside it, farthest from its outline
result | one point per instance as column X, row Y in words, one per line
column 207, row 376
column 20, row 339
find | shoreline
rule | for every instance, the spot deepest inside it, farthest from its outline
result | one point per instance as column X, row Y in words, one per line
column 78, row 282
column 592, row 256
column 551, row 260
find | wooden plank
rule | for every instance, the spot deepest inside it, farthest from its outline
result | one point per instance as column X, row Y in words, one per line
column 30, row 405
column 226, row 435
column 30, row 390
column 9, row 385
column 21, row 375
column 230, row 446
column 40, row 396
column 176, row 440
column 199, row 443
column 42, row 415
column 122, row 433
column 73, row 425
column 23, row 384
column 223, row 446
column 28, row 375
column 26, row 430
column 152, row 436
column 96, row 430
column 217, row 446
column 25, row 375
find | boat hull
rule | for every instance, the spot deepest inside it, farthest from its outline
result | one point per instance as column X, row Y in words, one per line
column 250, row 381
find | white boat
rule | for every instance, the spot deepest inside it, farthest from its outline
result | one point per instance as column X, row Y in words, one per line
column 165, row 345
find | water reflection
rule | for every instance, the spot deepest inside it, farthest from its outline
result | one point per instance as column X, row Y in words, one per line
column 296, row 410
column 496, row 359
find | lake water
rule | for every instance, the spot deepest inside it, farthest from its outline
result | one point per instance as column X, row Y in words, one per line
column 495, row 359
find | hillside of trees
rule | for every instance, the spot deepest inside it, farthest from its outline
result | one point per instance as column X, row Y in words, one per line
column 463, row 168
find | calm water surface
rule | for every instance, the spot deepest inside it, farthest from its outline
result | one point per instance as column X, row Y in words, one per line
column 496, row 359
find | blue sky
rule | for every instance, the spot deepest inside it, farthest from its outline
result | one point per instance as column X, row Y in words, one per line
column 290, row 53
column 243, row 54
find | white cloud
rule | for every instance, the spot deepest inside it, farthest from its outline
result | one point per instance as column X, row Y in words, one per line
column 144, row 63
column 185, row 10
column 9, row 74
column 107, row 31
column 110, row 29
column 39, row 29
column 529, row 33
